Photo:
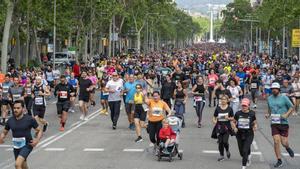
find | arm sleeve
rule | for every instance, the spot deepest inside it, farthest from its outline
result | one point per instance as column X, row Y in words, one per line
column 34, row 123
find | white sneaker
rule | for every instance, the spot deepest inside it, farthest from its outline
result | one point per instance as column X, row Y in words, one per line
column 151, row 145
column 254, row 106
column 249, row 160
column 85, row 119
column 81, row 117
column 244, row 167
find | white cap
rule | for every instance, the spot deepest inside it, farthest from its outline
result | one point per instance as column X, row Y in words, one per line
column 275, row 85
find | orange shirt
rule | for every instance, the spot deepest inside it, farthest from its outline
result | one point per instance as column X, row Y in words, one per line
column 156, row 110
column 2, row 77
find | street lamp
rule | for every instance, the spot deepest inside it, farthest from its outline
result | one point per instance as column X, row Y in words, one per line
column 54, row 34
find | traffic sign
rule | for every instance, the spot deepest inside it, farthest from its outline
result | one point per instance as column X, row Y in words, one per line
column 296, row 38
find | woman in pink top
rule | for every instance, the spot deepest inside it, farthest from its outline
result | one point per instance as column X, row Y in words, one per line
column 212, row 78
column 94, row 80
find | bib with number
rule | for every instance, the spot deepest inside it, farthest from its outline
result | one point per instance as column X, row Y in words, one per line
column 28, row 91
column 244, row 123
column 221, row 116
column 254, row 85
column 198, row 98
column 5, row 89
column 275, row 118
column 19, row 142
column 38, row 101
column 16, row 96
column 211, row 81
column 105, row 94
column 63, row 94
column 157, row 111
column 145, row 107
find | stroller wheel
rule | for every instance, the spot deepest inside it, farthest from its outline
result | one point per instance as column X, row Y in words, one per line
column 170, row 158
column 180, row 155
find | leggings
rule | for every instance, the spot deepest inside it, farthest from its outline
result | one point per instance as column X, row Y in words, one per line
column 210, row 91
column 199, row 109
column 244, row 141
column 223, row 143
column 153, row 128
column 114, row 111
column 253, row 95
column 28, row 104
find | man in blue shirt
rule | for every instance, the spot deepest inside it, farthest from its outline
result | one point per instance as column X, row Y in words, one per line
column 279, row 109
column 242, row 76
column 129, row 88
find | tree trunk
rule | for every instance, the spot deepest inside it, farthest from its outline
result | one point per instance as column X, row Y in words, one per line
column 5, row 39
column 109, row 38
column 28, row 35
column 138, row 38
column 38, row 53
column 18, row 46
column 86, row 39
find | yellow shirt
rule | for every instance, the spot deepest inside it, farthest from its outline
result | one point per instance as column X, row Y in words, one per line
column 156, row 110
column 138, row 98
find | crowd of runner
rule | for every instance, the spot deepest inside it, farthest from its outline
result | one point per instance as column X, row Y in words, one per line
column 154, row 86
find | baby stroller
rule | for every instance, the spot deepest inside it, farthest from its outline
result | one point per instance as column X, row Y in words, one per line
column 172, row 149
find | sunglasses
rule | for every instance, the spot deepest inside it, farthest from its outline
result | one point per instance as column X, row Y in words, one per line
column 138, row 88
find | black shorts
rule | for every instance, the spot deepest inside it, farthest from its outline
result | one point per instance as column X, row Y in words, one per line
column 62, row 106
column 51, row 84
column 280, row 129
column 23, row 152
column 139, row 112
column 84, row 98
column 39, row 111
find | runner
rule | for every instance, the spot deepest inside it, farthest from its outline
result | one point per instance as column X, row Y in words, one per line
column 130, row 90
column 6, row 102
column 220, row 90
column 167, row 90
column 94, row 80
column 221, row 119
column 236, row 92
column 254, row 88
column 63, row 91
column 296, row 87
column 279, row 109
column 28, row 95
column 199, row 90
column 157, row 107
column 114, row 87
column 17, row 91
column 139, row 112
column 74, row 82
column 104, row 98
column 180, row 97
column 39, row 91
column 85, row 87
column 212, row 78
column 245, row 125
column 21, row 125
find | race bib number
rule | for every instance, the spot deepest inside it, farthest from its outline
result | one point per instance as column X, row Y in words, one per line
column 253, row 85
column 63, row 94
column 244, row 123
column 105, row 94
column 156, row 111
column 5, row 89
column 211, row 81
column 198, row 98
column 19, row 142
column 38, row 101
column 16, row 96
column 275, row 118
column 28, row 91
column 221, row 116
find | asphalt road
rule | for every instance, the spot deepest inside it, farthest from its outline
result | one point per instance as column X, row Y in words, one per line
column 94, row 145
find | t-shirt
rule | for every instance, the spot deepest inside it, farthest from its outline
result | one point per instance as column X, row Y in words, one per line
column 178, row 77
column 156, row 110
column 278, row 106
column 118, row 87
column 21, row 129
column 83, row 85
column 235, row 92
column 242, row 76
column 130, row 87
column 212, row 78
column 220, row 114
column 245, row 121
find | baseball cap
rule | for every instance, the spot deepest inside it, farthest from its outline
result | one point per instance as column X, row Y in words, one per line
column 245, row 102
column 275, row 85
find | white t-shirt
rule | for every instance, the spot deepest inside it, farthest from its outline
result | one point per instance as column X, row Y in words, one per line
column 267, row 80
column 235, row 92
column 118, row 87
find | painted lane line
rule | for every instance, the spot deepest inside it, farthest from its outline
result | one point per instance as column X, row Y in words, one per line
column 93, row 149
column 217, row 152
column 9, row 149
column 75, row 124
column 5, row 146
column 255, row 145
column 133, row 150
column 286, row 154
column 70, row 131
column 55, row 149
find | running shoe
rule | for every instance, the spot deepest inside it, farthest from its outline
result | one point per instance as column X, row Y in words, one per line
column 139, row 139
column 61, row 129
column 221, row 158
column 278, row 164
column 199, row 126
column 102, row 111
column 85, row 119
column 114, row 127
column 290, row 151
column 45, row 127
column 228, row 154
column 243, row 167
column 72, row 111
column 81, row 117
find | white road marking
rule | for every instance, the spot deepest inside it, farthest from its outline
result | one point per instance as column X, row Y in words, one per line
column 210, row 152
column 133, row 150
column 261, row 158
column 91, row 116
column 5, row 146
column 94, row 149
column 255, row 145
column 54, row 102
column 9, row 149
column 55, row 149
column 286, row 154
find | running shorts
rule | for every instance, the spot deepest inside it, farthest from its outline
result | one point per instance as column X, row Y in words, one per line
column 280, row 129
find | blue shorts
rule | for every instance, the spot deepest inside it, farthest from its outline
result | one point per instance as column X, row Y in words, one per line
column 268, row 91
column 23, row 152
column 103, row 97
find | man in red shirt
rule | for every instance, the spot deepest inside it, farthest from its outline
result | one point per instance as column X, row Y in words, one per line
column 76, row 70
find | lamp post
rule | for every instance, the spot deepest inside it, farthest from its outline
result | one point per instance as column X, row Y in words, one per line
column 54, row 34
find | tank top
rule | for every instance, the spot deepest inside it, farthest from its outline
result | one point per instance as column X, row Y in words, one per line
column 200, row 88
column 38, row 100
column 179, row 94
column 138, row 98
